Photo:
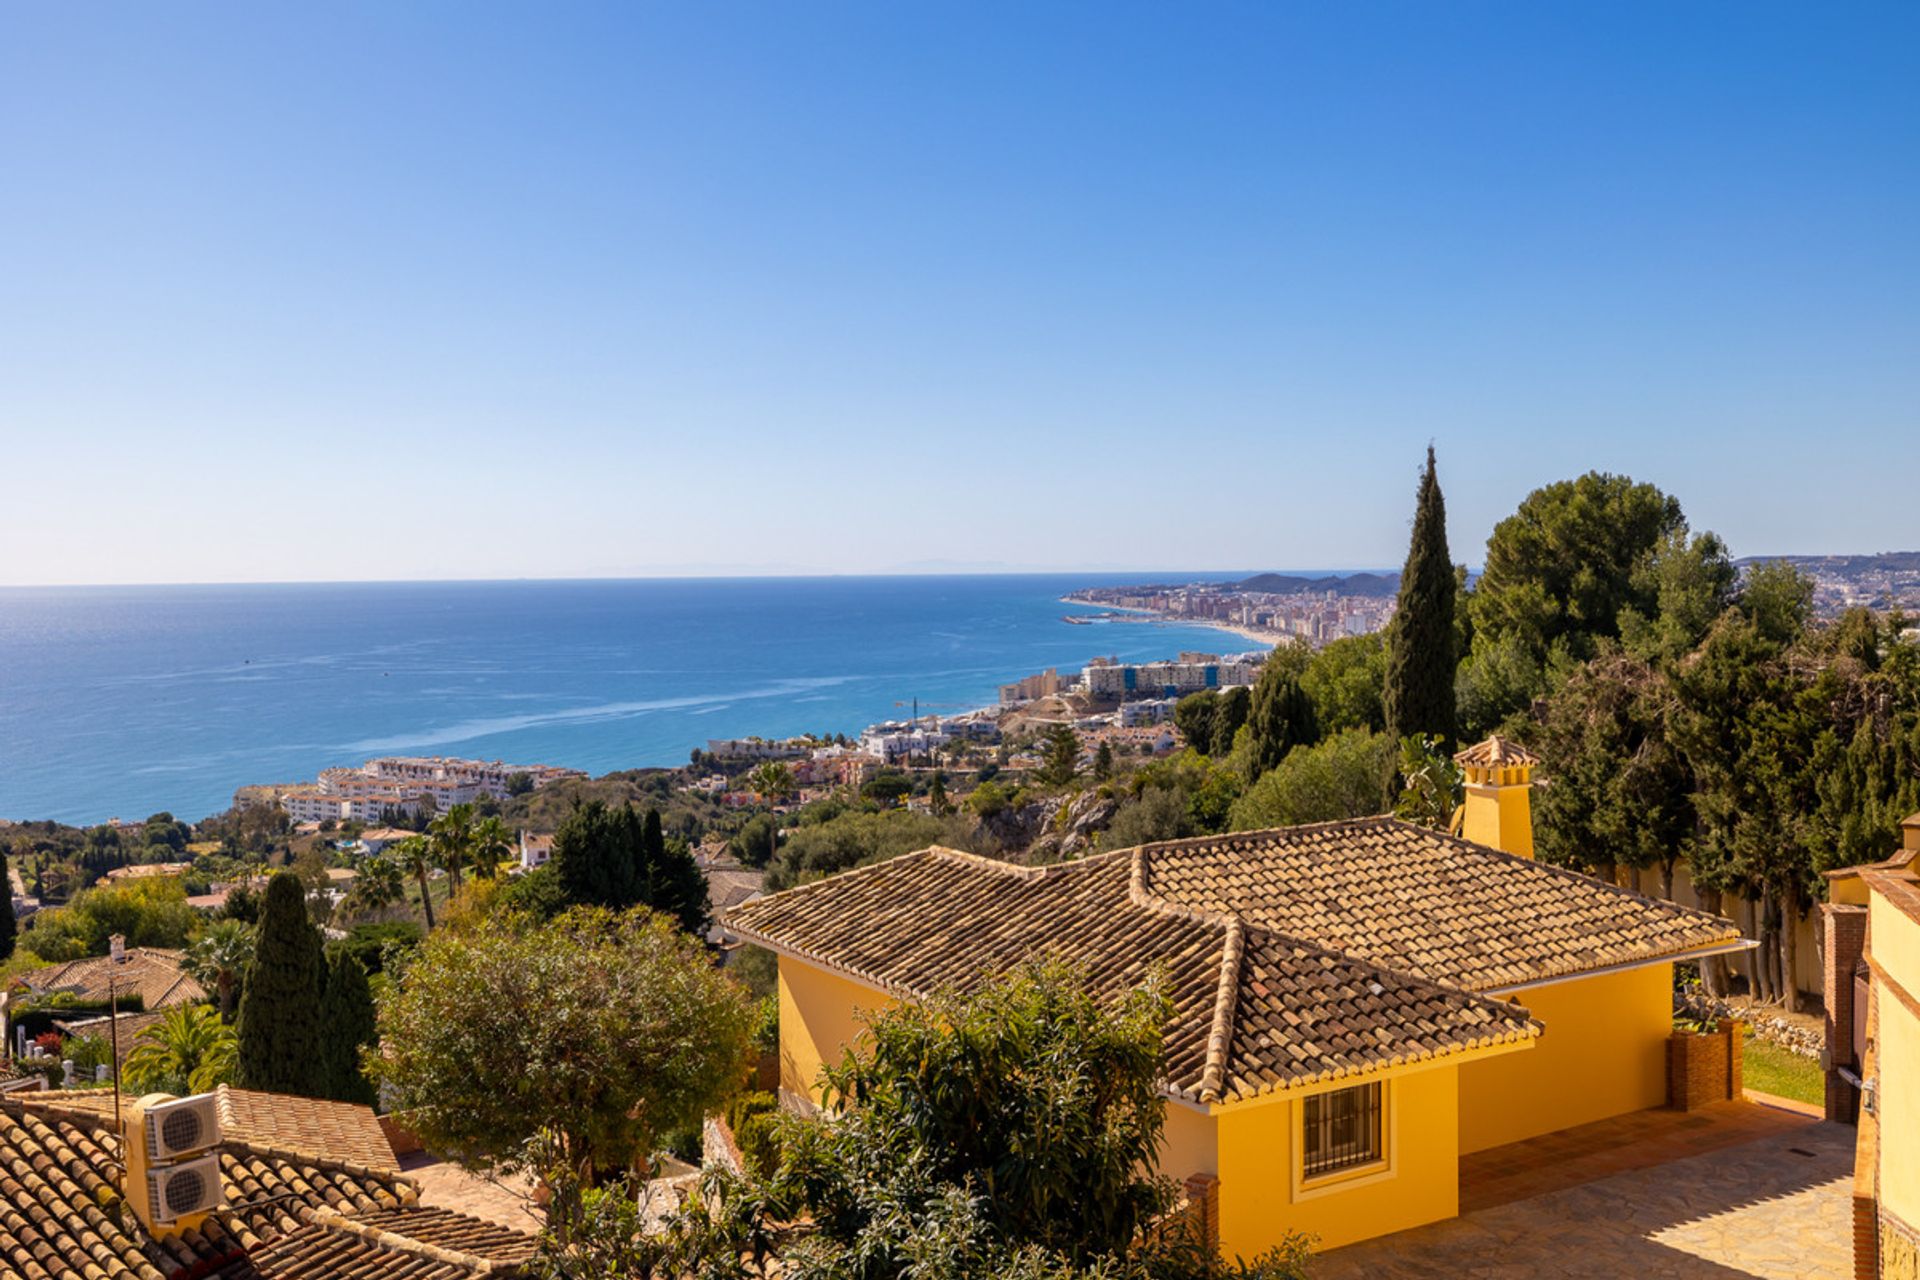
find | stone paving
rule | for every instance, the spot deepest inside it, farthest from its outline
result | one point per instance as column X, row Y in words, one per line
column 1775, row 1207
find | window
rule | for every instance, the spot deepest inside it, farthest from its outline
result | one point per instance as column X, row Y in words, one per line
column 1340, row 1130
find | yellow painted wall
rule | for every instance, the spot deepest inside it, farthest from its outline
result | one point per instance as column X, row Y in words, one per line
column 1258, row 1200
column 818, row 1020
column 1499, row 817
column 1893, row 939
column 1604, row 1053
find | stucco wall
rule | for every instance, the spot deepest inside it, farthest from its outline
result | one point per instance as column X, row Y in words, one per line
column 1893, row 940
column 1603, row 1054
column 818, row 1021
column 1259, row 1199
column 1190, row 1145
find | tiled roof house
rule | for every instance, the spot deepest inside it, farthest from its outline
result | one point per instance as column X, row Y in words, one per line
column 1355, row 1004
column 307, row 1195
column 153, row 973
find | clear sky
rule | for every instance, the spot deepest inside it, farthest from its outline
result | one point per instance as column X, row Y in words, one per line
column 402, row 290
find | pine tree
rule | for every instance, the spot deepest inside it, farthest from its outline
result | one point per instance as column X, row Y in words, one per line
column 1421, row 661
column 1103, row 762
column 347, row 1021
column 9, row 928
column 280, row 1022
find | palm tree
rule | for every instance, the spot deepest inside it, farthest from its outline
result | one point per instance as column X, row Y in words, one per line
column 451, row 837
column 772, row 781
column 417, row 858
column 491, row 844
column 218, row 958
column 377, row 886
column 189, row 1046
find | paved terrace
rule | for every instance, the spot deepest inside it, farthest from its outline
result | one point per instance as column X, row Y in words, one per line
column 1734, row 1190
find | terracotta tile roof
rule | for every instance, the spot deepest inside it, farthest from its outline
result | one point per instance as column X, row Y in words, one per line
column 343, row 1132
column 1292, row 955
column 288, row 1217
column 152, row 972
column 1495, row 753
column 1425, row 903
column 1253, row 1010
column 102, row 1025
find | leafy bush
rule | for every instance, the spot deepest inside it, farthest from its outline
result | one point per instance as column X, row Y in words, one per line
column 1344, row 777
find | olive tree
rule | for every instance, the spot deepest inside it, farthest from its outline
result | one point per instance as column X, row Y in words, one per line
column 595, row 1032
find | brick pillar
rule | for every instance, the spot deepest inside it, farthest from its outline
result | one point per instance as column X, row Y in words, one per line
column 1735, row 1032
column 1844, row 937
column 1203, row 1200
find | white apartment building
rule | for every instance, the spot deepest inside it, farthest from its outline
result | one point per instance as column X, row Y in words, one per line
column 755, row 748
column 1128, row 681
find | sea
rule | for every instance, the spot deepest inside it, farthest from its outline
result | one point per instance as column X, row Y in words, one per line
column 126, row 701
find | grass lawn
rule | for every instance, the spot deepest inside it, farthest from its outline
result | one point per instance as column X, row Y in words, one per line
column 1770, row 1069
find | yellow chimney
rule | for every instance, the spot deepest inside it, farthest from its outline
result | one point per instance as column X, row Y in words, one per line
column 1499, row 774
column 1910, row 832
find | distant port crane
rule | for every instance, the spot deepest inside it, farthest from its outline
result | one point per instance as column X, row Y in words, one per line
column 915, row 704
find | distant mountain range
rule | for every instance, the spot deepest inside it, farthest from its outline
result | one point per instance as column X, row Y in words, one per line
column 1345, row 584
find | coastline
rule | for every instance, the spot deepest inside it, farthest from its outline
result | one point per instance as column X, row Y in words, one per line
column 1270, row 639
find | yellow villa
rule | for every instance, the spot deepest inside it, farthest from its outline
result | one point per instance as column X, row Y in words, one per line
column 1872, row 949
column 1356, row 1004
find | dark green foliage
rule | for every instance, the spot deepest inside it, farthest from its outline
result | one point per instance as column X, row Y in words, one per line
column 1346, row 776
column 1562, row 569
column 754, row 844
column 1280, row 715
column 1347, row 681
column 280, row 1020
column 888, row 787
column 1229, row 713
column 347, row 1024
column 1622, row 792
column 373, row 944
column 1193, row 716
column 856, row 839
column 1421, row 658
column 618, row 858
column 959, row 1085
column 1062, row 757
column 1102, row 762
column 9, row 927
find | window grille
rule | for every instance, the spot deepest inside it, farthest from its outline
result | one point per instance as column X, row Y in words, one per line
column 1341, row 1130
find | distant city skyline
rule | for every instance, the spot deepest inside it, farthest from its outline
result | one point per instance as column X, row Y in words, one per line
column 443, row 292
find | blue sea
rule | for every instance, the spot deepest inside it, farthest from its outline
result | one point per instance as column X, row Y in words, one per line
column 123, row 701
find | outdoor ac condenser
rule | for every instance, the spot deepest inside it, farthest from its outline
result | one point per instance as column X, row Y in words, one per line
column 183, row 1127
column 177, row 1191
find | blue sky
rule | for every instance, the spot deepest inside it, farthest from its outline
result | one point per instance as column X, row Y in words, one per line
column 491, row 290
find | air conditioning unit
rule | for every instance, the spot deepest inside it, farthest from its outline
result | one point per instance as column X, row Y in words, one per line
column 183, row 1127
column 177, row 1191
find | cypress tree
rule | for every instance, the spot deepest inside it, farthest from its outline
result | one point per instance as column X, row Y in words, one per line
column 586, row 853
column 9, row 927
column 1420, row 658
column 347, row 1019
column 280, row 1028
column 1279, row 714
column 1229, row 713
column 671, row 881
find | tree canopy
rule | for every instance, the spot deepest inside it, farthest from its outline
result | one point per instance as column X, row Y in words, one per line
column 602, row 1030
